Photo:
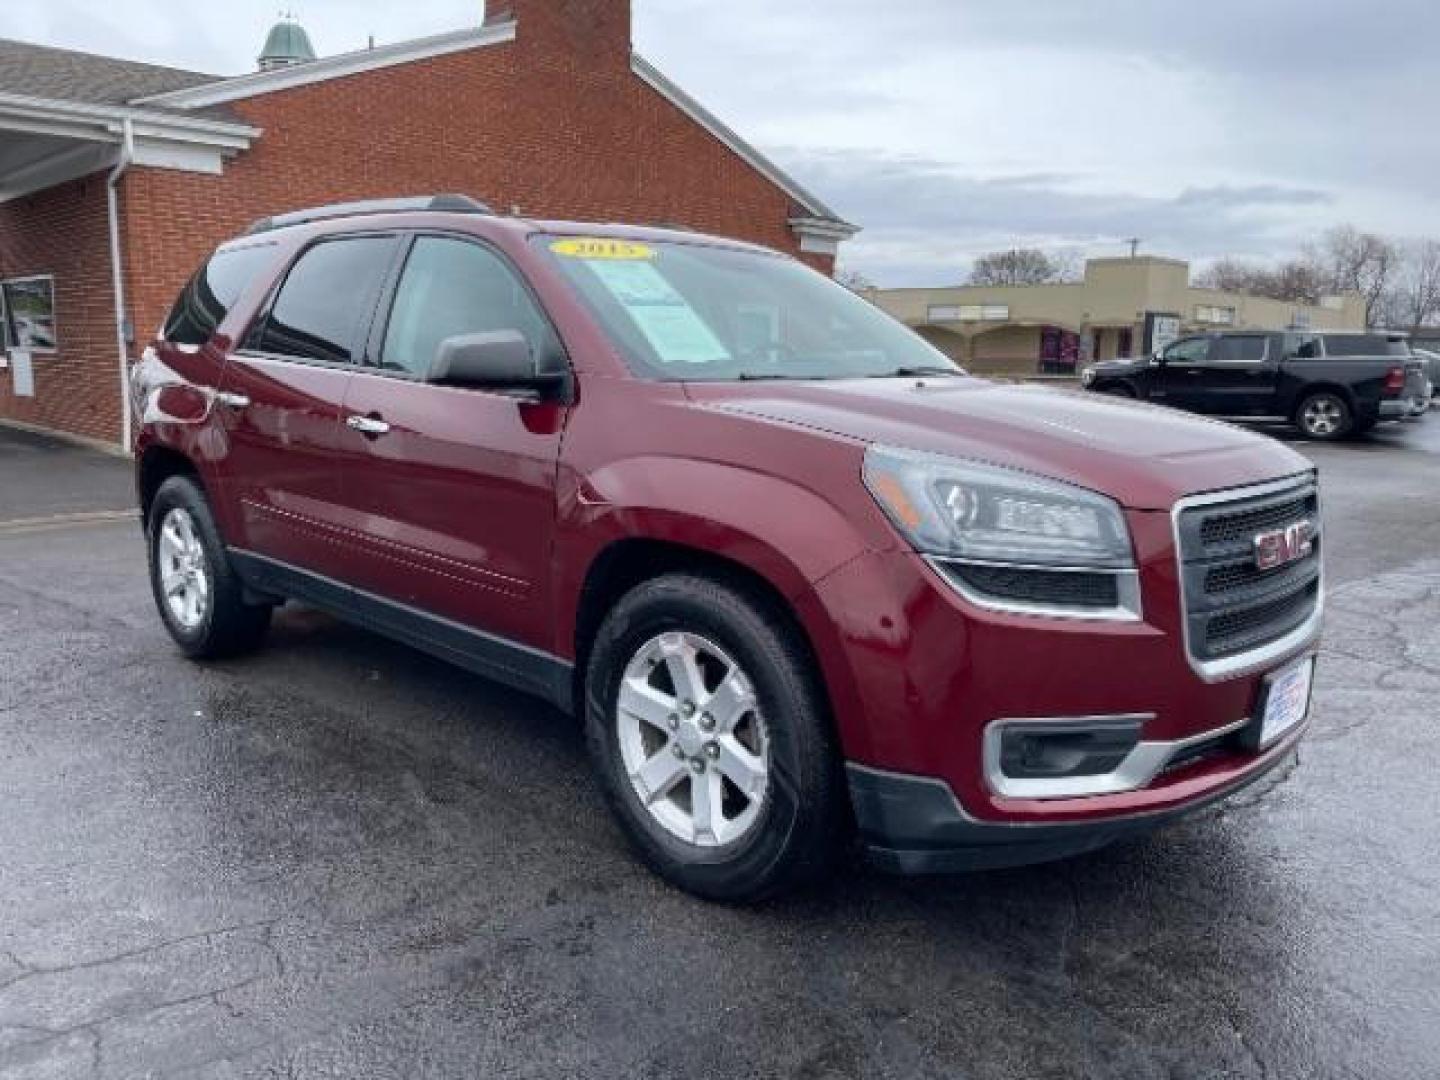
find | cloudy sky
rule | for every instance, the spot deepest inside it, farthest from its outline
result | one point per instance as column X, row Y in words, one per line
column 952, row 127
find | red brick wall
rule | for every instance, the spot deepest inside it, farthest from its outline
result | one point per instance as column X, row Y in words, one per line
column 555, row 124
column 64, row 231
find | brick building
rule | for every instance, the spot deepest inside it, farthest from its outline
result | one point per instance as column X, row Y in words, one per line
column 117, row 178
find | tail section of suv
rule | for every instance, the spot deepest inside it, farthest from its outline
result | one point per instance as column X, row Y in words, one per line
column 1329, row 385
column 804, row 580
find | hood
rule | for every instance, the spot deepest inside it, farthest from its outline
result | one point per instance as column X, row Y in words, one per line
column 1143, row 456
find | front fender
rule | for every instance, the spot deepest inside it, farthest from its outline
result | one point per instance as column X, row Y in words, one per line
column 786, row 533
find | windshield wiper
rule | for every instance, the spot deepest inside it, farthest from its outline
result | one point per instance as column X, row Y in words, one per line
column 920, row 371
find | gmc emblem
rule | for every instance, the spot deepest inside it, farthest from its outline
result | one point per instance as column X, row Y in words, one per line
column 1282, row 546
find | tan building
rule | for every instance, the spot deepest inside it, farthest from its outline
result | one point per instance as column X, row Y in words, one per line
column 1122, row 307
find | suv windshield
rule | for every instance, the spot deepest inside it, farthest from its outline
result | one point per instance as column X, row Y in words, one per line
column 688, row 312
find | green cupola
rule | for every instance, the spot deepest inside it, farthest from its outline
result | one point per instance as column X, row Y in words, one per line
column 287, row 44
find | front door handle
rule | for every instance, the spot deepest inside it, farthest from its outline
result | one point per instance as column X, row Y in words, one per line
column 233, row 401
column 372, row 427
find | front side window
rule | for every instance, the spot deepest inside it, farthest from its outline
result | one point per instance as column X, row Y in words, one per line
column 29, row 310
column 1238, row 350
column 212, row 292
column 323, row 308
column 452, row 287
column 692, row 312
column 1188, row 351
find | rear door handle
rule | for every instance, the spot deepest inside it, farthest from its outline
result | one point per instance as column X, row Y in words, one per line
column 233, row 401
column 371, row 427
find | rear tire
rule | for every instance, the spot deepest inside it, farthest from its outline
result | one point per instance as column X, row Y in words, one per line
column 721, row 705
column 200, row 598
column 1324, row 416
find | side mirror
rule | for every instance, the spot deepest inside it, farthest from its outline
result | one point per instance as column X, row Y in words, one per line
column 498, row 359
column 1157, row 358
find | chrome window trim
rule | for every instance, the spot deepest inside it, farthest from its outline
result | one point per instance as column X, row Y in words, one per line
column 1247, row 663
column 1139, row 768
column 1128, row 610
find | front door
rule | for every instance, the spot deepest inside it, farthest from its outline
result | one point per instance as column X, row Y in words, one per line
column 282, row 392
column 1181, row 378
column 451, row 489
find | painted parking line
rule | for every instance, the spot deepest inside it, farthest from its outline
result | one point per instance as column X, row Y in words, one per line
column 25, row 526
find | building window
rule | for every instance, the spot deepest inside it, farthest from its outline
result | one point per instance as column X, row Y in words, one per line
column 29, row 313
column 970, row 313
column 1217, row 316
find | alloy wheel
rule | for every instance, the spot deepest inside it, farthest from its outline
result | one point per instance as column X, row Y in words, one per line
column 184, row 570
column 693, row 741
column 1322, row 416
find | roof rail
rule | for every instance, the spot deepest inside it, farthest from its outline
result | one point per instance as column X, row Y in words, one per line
column 453, row 204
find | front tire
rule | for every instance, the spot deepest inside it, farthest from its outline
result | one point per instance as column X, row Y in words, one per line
column 199, row 597
column 712, row 740
column 1324, row 416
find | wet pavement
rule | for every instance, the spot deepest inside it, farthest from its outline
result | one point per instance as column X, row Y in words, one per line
column 340, row 858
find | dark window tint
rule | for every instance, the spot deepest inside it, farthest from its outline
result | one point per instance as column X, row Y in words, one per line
column 1365, row 345
column 453, row 287
column 1189, row 351
column 327, row 296
column 212, row 292
column 1238, row 350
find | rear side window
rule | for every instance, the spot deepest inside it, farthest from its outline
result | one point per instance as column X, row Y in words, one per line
column 1238, row 350
column 452, row 287
column 324, row 306
column 1365, row 345
column 212, row 292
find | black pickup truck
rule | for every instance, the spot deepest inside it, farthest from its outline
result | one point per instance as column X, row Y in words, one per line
column 1329, row 385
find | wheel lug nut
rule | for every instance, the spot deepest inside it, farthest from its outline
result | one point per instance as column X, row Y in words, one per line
column 679, row 751
column 688, row 709
column 698, row 764
column 712, row 750
column 707, row 721
column 673, row 721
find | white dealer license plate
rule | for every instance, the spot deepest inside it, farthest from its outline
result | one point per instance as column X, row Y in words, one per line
column 1287, row 700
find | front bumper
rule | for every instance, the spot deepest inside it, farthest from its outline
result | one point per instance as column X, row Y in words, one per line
column 915, row 825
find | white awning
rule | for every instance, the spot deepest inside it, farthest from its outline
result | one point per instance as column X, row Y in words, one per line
column 43, row 142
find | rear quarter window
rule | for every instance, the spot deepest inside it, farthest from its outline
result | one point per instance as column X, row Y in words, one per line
column 1342, row 345
column 208, row 297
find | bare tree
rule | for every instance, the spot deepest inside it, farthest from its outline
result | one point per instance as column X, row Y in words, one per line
column 1231, row 275
column 1348, row 260
column 1294, row 281
column 1414, row 298
column 1018, row 266
column 854, row 280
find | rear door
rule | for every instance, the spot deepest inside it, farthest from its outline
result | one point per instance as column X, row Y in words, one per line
column 282, row 393
column 1241, row 375
column 450, row 491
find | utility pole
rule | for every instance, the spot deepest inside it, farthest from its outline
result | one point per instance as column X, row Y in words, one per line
column 1134, row 243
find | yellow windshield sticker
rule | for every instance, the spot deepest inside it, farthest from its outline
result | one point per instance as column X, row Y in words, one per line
column 599, row 248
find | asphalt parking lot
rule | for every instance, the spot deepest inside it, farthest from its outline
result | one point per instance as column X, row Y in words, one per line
column 343, row 859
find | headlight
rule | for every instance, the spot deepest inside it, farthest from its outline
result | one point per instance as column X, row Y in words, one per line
column 953, row 509
column 1087, row 376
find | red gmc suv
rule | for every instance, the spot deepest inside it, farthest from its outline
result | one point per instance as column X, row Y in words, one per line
column 802, row 577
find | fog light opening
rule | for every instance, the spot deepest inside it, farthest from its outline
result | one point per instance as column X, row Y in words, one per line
column 1063, row 751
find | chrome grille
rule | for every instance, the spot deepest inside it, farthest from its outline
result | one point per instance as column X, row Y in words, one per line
column 1231, row 606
